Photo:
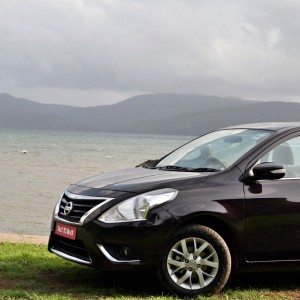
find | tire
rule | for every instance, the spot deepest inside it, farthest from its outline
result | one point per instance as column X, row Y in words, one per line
column 202, row 266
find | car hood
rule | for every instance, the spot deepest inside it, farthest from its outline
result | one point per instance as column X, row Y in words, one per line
column 139, row 180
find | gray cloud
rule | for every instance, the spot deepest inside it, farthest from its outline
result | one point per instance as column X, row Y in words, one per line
column 94, row 52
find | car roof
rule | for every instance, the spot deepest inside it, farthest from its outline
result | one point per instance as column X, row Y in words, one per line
column 277, row 126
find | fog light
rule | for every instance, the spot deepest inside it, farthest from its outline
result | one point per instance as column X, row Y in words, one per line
column 120, row 252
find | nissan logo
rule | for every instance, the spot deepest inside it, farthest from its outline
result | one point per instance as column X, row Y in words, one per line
column 68, row 208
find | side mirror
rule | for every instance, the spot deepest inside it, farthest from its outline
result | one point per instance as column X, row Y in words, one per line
column 268, row 170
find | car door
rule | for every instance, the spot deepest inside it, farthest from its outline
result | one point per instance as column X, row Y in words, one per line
column 272, row 207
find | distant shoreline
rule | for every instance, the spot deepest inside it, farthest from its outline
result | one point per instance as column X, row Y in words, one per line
column 23, row 238
column 133, row 134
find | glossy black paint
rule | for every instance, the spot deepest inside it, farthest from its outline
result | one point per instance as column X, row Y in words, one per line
column 268, row 171
column 259, row 220
column 140, row 180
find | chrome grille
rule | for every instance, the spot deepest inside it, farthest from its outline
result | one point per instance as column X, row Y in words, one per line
column 79, row 207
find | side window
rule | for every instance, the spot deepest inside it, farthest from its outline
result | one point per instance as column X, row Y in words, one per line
column 287, row 154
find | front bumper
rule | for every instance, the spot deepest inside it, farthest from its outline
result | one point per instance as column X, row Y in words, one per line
column 126, row 246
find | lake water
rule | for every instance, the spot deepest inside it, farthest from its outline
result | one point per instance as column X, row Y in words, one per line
column 31, row 183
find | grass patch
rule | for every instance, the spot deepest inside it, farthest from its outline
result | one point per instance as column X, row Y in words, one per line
column 30, row 272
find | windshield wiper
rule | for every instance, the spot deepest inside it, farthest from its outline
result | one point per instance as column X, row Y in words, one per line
column 173, row 168
column 204, row 170
column 184, row 169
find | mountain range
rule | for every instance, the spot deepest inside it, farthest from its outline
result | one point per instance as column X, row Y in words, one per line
column 174, row 114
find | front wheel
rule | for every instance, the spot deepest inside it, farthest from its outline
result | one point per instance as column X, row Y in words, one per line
column 196, row 261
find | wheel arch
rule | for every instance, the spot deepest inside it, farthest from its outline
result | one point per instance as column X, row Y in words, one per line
column 222, row 228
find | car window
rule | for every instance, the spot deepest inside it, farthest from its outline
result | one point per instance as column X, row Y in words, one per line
column 287, row 154
column 218, row 150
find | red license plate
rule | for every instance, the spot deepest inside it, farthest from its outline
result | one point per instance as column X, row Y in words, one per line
column 66, row 231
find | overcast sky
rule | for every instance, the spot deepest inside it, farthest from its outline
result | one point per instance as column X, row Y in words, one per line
column 99, row 52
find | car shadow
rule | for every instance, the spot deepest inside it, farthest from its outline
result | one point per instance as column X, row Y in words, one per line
column 53, row 275
column 274, row 281
column 146, row 284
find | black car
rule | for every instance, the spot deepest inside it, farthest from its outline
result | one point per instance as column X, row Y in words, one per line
column 227, row 201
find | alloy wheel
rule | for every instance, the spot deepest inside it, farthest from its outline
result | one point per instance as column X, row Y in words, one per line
column 192, row 263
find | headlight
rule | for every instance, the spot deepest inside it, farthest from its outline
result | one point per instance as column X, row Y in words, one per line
column 136, row 208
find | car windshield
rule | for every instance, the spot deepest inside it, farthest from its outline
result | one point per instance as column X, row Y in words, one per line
column 215, row 151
